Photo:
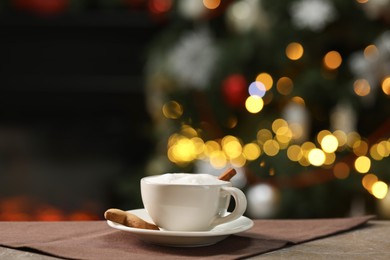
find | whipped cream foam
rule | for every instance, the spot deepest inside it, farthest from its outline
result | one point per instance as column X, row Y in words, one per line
column 186, row 178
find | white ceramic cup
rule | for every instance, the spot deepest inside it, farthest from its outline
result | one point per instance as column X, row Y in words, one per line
column 190, row 206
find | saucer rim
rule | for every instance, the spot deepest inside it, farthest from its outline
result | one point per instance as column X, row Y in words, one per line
column 141, row 212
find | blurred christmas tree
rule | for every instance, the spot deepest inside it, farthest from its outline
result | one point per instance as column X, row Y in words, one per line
column 293, row 94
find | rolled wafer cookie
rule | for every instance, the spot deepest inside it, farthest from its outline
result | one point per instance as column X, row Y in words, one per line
column 128, row 219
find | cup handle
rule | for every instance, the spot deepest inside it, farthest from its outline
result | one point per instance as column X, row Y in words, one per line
column 239, row 209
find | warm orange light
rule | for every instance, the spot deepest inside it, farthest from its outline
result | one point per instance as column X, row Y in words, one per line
column 332, row 60
column 386, row 86
column 284, row 85
column 362, row 87
column 294, row 51
column 211, row 4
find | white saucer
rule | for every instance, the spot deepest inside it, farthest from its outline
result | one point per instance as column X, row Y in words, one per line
column 182, row 238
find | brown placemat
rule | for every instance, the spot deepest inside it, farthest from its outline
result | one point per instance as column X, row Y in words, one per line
column 96, row 240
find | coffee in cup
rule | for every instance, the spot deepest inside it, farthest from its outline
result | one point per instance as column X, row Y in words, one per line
column 190, row 202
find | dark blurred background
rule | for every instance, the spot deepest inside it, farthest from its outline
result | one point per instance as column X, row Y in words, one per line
column 72, row 115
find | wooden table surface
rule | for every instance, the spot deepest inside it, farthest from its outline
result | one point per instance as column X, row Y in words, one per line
column 369, row 242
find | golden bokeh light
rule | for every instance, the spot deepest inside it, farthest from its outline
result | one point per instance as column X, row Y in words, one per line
column 370, row 51
column 304, row 161
column 254, row 104
column 362, row 164
column 341, row 137
column 283, row 133
column 264, row 135
column 211, row 146
column 307, row 146
column 239, row 161
column 361, row 87
column 294, row 51
column 316, row 157
column 199, row 145
column 386, row 86
column 271, row 147
column 341, row 170
column 294, row 153
column 172, row 110
column 251, row 151
column 188, row 131
column 231, row 146
column 266, row 79
column 362, row 1
column 278, row 123
column 383, row 148
column 368, row 180
column 379, row 189
column 375, row 152
column 321, row 134
column 211, row 4
column 332, row 60
column 330, row 158
column 360, row 147
column 284, row 85
column 296, row 130
column 218, row 159
column 182, row 151
column 352, row 137
column 329, row 143
column 298, row 100
column 284, row 136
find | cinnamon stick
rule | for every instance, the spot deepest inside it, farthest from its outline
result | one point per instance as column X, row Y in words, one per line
column 128, row 219
column 227, row 175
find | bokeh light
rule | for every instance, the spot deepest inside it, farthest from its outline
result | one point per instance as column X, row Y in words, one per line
column 240, row 10
column 172, row 110
column 361, row 87
column 341, row 170
column 341, row 137
column 239, row 161
column 332, row 60
column 316, row 157
column 368, row 180
column 294, row 51
column 284, row 85
column 211, row 4
column 257, row 88
column 329, row 143
column 266, row 79
column 294, row 153
column 252, row 151
column 379, row 189
column 254, row 104
column 231, row 146
column 218, row 159
column 211, row 146
column 183, row 150
column 321, row 134
column 362, row 164
column 271, row 147
column 386, row 86
column 360, row 147
column 370, row 51
column 352, row 137
column 330, row 158
column 263, row 135
column 159, row 6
